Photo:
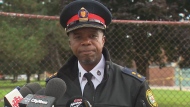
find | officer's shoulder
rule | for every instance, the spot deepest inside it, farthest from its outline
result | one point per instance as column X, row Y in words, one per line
column 133, row 74
column 50, row 77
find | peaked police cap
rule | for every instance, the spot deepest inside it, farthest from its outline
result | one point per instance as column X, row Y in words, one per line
column 85, row 13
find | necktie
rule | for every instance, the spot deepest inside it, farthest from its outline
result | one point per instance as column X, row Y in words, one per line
column 89, row 88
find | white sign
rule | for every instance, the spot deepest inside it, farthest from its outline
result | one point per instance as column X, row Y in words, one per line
column 14, row 97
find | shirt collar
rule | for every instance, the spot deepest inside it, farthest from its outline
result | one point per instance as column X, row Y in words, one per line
column 97, row 71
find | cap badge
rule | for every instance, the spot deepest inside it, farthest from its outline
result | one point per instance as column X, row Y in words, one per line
column 83, row 15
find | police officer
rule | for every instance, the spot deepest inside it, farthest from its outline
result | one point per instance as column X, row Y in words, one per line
column 90, row 72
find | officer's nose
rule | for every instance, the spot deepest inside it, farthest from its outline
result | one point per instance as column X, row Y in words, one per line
column 86, row 41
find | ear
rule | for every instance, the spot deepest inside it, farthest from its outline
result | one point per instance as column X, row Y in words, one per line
column 103, row 39
column 70, row 38
column 69, row 43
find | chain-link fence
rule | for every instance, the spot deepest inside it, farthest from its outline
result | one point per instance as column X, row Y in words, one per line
column 33, row 47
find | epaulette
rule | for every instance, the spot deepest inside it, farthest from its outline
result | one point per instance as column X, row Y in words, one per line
column 50, row 77
column 134, row 74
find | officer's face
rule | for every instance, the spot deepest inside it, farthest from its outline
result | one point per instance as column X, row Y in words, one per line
column 87, row 44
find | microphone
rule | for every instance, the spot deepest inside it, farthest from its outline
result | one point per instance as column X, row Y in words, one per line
column 12, row 98
column 37, row 101
column 41, row 91
column 55, row 88
column 33, row 87
column 78, row 101
column 19, row 93
column 25, row 91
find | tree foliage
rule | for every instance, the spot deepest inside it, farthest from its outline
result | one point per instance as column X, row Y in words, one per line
column 147, row 9
column 33, row 46
column 24, row 41
column 149, row 45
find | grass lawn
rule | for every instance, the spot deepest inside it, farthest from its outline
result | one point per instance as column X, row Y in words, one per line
column 9, row 84
column 172, row 98
column 3, row 92
column 165, row 98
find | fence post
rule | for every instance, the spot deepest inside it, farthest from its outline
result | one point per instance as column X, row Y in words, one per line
column 180, row 79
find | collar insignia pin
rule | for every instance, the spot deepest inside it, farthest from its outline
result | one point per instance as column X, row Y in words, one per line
column 79, row 74
column 98, row 73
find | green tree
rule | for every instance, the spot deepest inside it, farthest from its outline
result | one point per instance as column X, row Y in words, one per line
column 147, row 44
column 51, row 39
column 20, row 46
column 24, row 41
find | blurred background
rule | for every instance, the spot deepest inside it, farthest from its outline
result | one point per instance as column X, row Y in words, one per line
column 151, row 37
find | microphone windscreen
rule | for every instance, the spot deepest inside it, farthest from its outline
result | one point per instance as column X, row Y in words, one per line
column 78, row 101
column 55, row 87
column 34, row 87
column 41, row 91
column 25, row 91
